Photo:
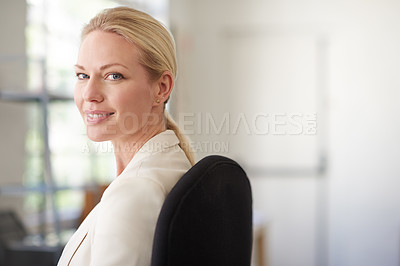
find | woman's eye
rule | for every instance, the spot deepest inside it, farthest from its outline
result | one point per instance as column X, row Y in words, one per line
column 114, row 76
column 82, row 76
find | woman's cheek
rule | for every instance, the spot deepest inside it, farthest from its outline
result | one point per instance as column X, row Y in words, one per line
column 78, row 98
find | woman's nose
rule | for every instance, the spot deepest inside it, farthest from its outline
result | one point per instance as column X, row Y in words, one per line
column 92, row 92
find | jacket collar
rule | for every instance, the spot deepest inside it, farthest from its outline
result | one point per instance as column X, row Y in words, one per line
column 157, row 143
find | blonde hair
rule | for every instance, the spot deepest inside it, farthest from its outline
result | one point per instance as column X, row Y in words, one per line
column 156, row 46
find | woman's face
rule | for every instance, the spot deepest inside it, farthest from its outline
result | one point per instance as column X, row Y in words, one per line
column 112, row 92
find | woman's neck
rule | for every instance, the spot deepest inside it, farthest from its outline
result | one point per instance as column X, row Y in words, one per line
column 125, row 148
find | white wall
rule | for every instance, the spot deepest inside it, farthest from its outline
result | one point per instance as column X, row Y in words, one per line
column 364, row 178
column 12, row 78
column 349, row 216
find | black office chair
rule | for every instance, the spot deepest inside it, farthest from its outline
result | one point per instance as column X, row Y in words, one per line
column 206, row 219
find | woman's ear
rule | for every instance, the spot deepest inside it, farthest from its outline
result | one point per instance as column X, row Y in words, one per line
column 164, row 87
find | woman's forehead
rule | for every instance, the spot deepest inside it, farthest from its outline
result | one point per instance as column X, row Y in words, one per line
column 102, row 47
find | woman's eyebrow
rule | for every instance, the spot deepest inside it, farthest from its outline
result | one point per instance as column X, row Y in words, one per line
column 79, row 66
column 103, row 67
column 110, row 65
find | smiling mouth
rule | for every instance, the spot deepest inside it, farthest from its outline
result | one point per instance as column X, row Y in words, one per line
column 93, row 119
column 96, row 116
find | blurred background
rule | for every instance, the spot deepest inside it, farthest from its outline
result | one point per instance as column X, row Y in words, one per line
column 303, row 94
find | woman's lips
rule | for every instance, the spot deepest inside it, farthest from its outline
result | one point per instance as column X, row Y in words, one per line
column 95, row 117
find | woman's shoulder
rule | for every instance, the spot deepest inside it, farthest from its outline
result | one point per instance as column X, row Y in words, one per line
column 156, row 173
column 165, row 167
column 127, row 192
column 160, row 161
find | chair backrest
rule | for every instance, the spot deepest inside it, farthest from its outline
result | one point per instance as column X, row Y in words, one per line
column 206, row 219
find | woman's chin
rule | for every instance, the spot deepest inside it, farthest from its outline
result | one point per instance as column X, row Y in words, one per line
column 97, row 136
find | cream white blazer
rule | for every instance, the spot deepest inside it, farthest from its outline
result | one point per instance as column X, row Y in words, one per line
column 119, row 231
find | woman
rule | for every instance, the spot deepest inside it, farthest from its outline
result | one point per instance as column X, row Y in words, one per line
column 125, row 73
